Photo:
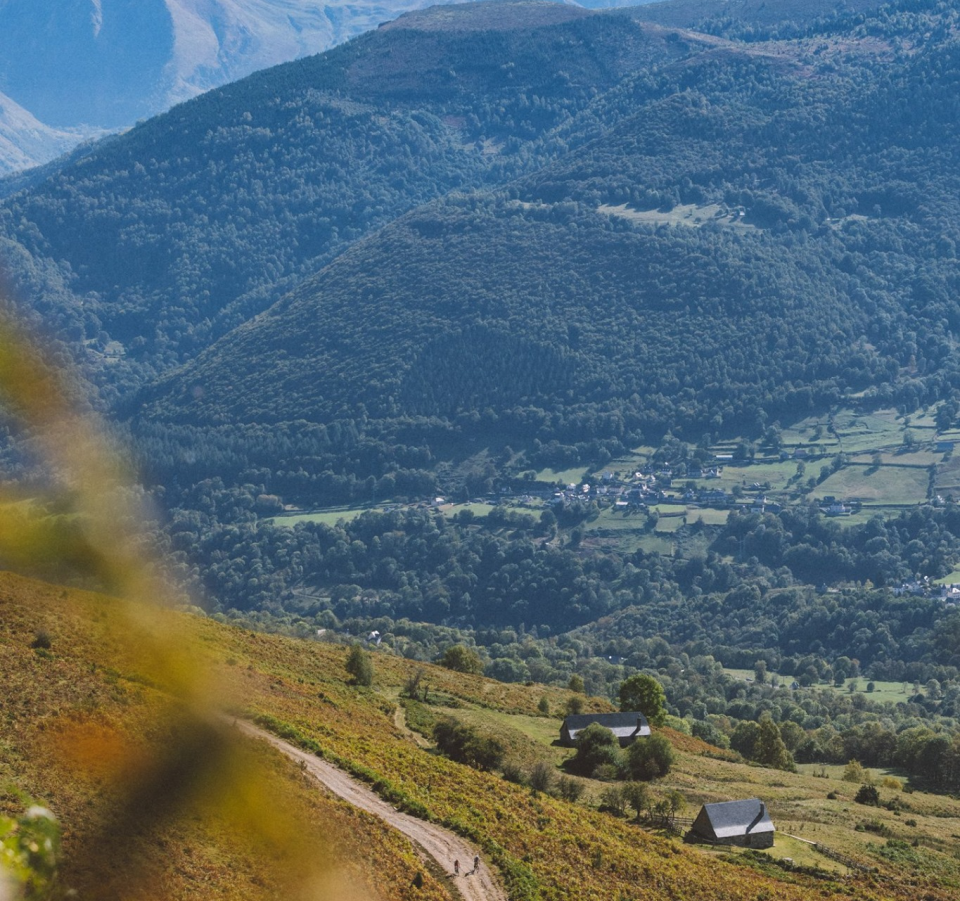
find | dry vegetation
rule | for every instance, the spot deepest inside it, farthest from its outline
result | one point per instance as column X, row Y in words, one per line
column 78, row 716
column 79, row 725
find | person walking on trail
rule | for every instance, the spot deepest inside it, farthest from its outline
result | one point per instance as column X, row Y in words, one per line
column 476, row 863
column 456, row 868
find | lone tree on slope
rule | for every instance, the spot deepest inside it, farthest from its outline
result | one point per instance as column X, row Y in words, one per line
column 644, row 693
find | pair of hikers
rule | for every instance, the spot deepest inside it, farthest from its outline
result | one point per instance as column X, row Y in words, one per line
column 476, row 866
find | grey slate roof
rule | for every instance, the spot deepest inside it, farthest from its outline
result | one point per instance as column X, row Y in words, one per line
column 729, row 818
column 623, row 725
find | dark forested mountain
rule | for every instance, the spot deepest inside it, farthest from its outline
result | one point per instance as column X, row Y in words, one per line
column 185, row 227
column 754, row 231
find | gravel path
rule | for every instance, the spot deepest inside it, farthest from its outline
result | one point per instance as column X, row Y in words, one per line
column 442, row 845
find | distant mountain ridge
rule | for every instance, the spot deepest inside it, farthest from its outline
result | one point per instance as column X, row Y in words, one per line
column 222, row 203
column 104, row 64
column 25, row 141
column 574, row 225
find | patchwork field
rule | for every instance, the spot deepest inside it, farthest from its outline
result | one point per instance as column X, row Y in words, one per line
column 886, row 485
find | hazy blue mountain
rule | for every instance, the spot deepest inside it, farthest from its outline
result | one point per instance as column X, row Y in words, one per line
column 578, row 223
column 740, row 235
column 26, row 142
column 205, row 215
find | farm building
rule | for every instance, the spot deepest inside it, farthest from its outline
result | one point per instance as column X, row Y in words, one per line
column 626, row 726
column 745, row 823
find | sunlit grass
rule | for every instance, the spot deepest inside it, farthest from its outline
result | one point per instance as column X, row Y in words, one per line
column 192, row 760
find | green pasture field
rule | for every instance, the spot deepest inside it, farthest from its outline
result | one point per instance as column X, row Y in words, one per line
column 923, row 458
column 476, row 509
column 887, row 485
column 866, row 514
column 330, row 516
column 924, row 419
column 709, row 516
column 950, row 578
column 482, row 509
column 573, row 476
column 618, row 520
column 667, row 525
column 868, row 431
column 649, row 543
column 777, row 474
column 948, row 475
column 801, row 433
column 883, row 691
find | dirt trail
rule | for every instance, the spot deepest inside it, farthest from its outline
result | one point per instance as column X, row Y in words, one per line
column 442, row 845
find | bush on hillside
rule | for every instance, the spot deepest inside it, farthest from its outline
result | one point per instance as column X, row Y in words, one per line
column 465, row 745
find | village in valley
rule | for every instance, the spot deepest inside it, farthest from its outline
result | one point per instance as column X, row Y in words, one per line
column 851, row 465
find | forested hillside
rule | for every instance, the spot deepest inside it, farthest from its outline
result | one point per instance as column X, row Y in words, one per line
column 180, row 230
column 819, row 263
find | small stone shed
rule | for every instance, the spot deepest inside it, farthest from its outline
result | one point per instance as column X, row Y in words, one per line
column 627, row 726
column 746, row 823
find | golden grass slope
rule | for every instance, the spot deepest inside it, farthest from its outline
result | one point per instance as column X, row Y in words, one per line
column 79, row 719
column 79, row 725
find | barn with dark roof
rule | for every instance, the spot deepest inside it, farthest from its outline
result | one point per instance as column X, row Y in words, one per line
column 745, row 823
column 627, row 726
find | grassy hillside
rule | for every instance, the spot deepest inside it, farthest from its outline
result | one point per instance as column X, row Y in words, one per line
column 78, row 714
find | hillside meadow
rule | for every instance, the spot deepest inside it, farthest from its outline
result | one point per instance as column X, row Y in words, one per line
column 81, row 721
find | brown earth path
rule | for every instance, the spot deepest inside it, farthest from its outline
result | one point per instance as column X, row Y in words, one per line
column 438, row 843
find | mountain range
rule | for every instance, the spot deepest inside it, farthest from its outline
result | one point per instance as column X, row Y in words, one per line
column 692, row 230
column 95, row 65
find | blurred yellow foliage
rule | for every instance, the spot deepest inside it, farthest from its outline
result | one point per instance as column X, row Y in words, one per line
column 197, row 761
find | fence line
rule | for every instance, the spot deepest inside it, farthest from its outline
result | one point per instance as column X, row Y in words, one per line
column 842, row 858
column 667, row 821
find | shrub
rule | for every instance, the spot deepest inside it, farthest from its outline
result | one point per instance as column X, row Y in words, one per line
column 41, row 640
column 596, row 746
column 466, row 745
column 541, row 776
column 708, row 732
column 513, row 772
column 614, row 799
column 854, row 772
column 412, row 687
column 569, row 789
column 359, row 665
column 462, row 659
column 649, row 758
column 868, row 794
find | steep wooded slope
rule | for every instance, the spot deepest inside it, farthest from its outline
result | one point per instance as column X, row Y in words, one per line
column 750, row 238
column 196, row 220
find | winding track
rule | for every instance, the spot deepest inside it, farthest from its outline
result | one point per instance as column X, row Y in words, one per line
column 429, row 839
